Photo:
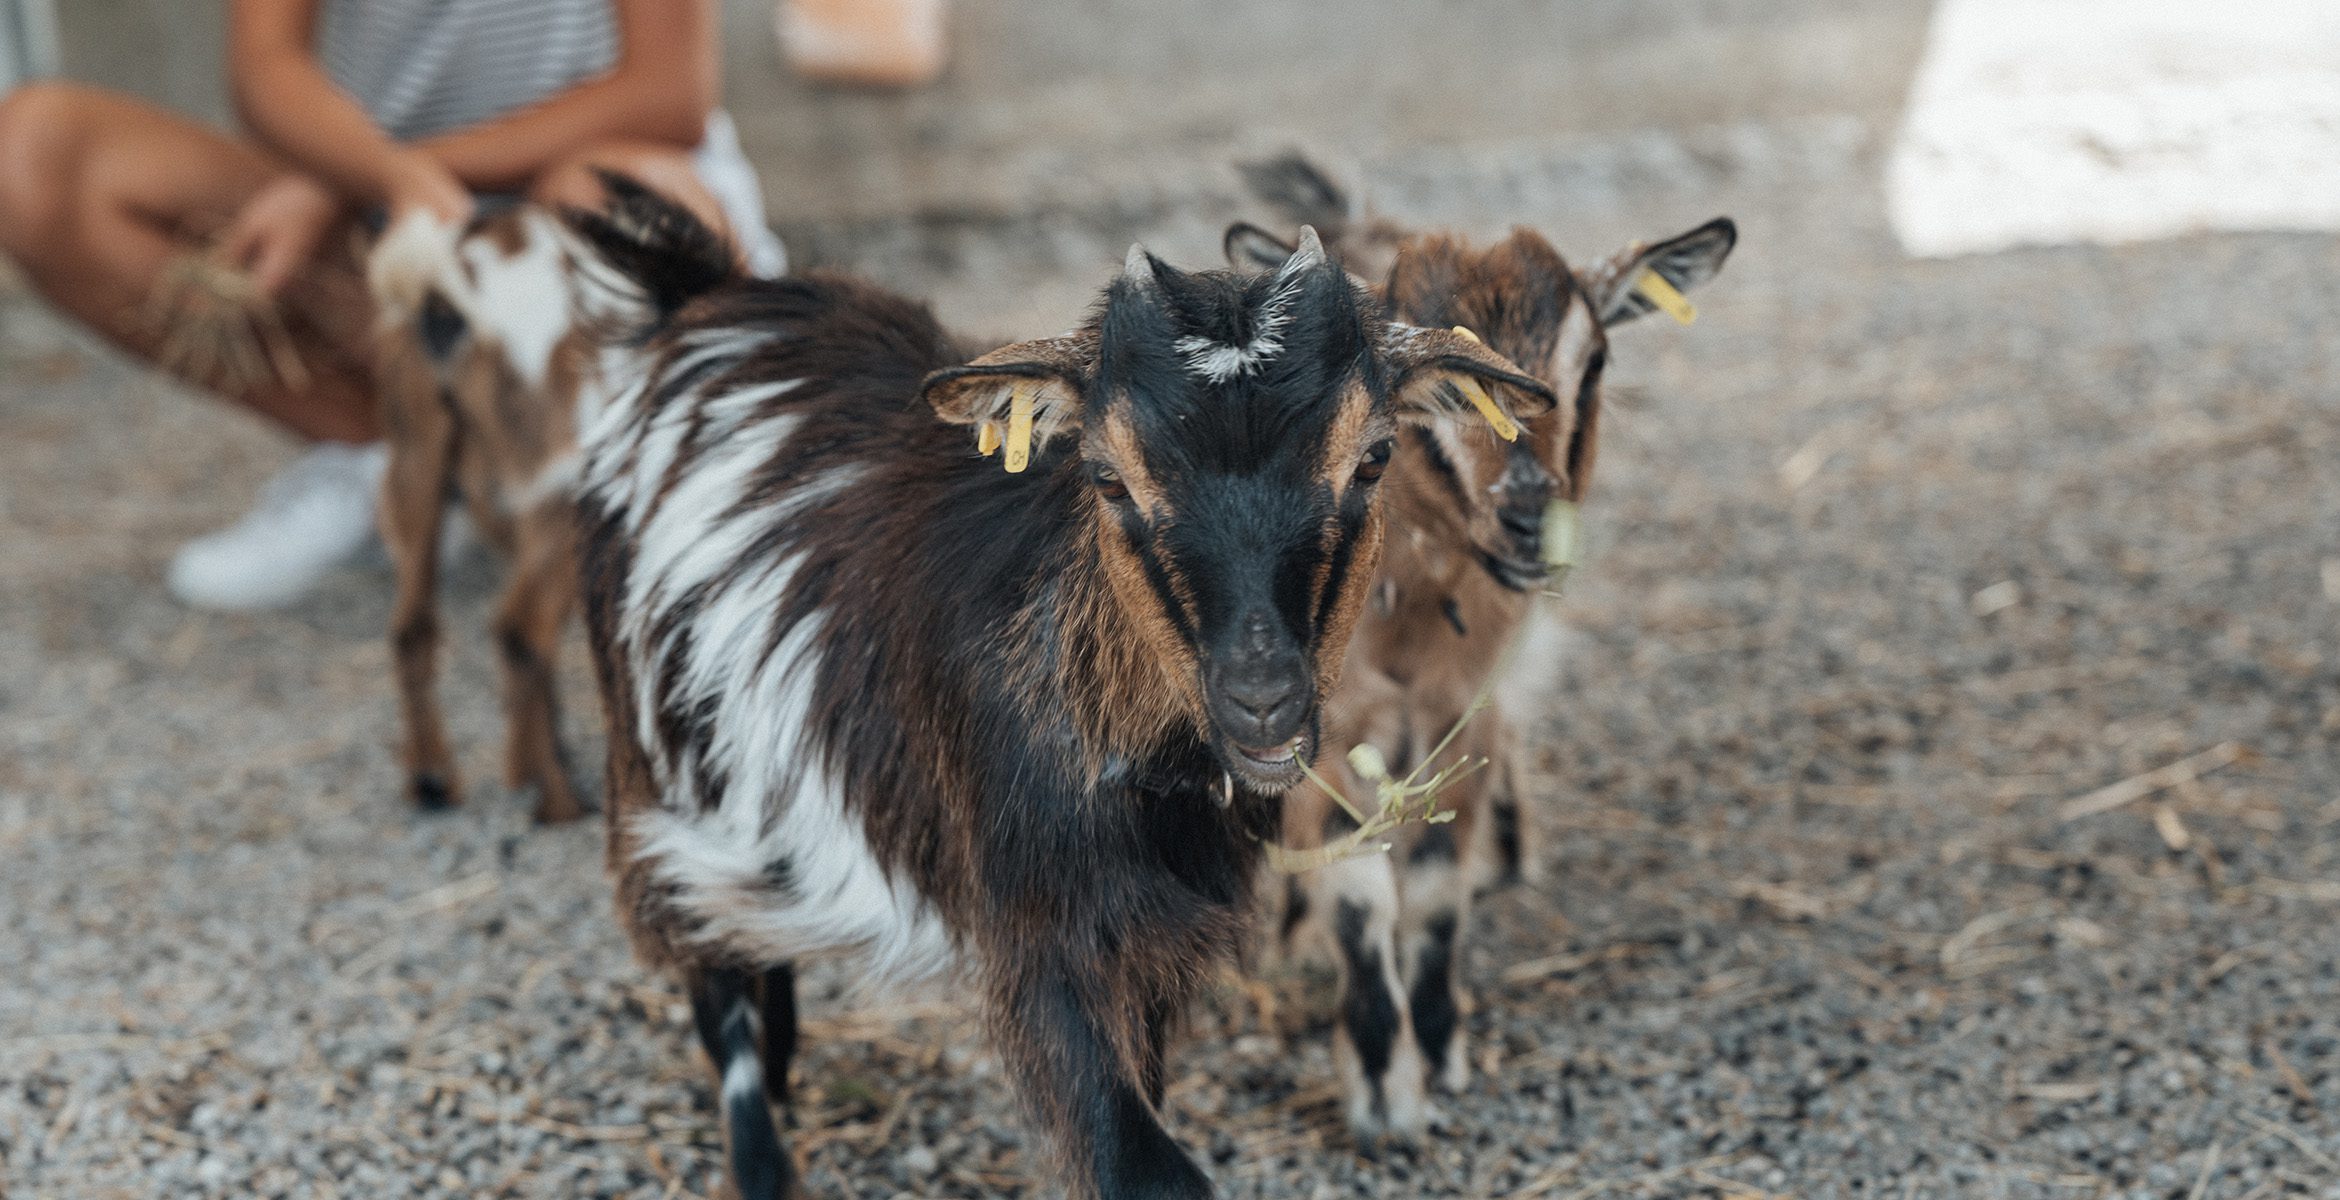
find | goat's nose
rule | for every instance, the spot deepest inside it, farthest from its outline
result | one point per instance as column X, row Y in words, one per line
column 1263, row 695
column 1527, row 481
column 1526, row 524
column 1526, row 485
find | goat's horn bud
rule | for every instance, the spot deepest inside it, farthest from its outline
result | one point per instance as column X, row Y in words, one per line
column 1310, row 253
column 1138, row 268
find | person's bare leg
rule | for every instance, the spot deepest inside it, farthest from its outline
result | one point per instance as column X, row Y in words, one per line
column 98, row 192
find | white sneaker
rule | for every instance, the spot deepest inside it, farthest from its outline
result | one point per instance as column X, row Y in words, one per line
column 314, row 516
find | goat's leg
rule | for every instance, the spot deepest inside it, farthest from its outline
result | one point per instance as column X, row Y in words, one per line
column 1437, row 877
column 1063, row 1057
column 777, row 1002
column 528, row 623
column 1373, row 1047
column 1514, row 853
column 414, row 500
column 723, row 1004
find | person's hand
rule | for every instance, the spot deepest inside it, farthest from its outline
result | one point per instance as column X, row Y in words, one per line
column 279, row 230
column 417, row 181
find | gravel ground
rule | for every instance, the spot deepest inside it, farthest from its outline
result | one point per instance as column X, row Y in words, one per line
column 1894, row 562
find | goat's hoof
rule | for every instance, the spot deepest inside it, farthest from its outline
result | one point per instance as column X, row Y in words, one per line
column 1453, row 1077
column 433, row 792
column 1393, row 1115
column 1385, row 1143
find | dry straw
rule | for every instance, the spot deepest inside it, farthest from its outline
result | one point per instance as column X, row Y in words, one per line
column 1397, row 801
column 1415, row 798
column 216, row 326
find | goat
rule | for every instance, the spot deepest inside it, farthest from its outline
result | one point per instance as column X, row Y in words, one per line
column 874, row 697
column 1452, row 619
column 485, row 362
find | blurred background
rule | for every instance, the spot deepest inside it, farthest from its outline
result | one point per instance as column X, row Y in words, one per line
column 1057, row 128
column 1942, row 782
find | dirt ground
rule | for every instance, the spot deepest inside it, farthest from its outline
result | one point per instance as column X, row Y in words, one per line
column 1897, row 568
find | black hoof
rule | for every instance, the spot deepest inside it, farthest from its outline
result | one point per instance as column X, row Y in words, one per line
column 432, row 793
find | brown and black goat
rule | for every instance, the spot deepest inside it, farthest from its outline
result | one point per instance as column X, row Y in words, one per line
column 486, row 361
column 873, row 696
column 1453, row 617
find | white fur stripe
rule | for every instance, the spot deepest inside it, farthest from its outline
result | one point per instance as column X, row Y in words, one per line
column 773, row 867
column 1218, row 362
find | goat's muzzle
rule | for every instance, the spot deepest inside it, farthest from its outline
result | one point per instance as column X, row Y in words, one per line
column 1527, row 486
column 1261, row 704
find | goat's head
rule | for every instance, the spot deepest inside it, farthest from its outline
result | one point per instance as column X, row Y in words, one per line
column 1226, row 433
column 1464, row 486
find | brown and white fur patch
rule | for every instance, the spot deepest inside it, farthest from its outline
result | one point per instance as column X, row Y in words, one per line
column 486, row 362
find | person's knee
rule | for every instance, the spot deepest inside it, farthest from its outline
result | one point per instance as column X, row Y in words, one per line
column 40, row 128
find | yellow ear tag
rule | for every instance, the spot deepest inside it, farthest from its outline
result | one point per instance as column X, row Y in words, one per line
column 1654, row 288
column 1019, row 434
column 987, row 439
column 1561, row 535
column 1505, row 427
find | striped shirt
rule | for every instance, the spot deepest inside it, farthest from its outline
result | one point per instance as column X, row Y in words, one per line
column 423, row 67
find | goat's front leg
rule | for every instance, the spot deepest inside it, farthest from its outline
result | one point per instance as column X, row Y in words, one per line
column 528, row 624
column 1088, row 1096
column 1380, row 1063
column 414, row 500
column 1433, row 924
column 1508, row 850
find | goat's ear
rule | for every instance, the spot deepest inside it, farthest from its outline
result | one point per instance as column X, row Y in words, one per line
column 1048, row 374
column 1683, row 261
column 1252, row 248
column 1446, row 374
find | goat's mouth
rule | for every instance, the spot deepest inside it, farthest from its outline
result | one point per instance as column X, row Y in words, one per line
column 1518, row 574
column 1268, row 769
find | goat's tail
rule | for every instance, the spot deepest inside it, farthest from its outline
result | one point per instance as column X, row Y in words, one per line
column 1300, row 192
column 661, row 248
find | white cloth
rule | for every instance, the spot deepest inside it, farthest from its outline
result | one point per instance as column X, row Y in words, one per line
column 723, row 166
column 2036, row 122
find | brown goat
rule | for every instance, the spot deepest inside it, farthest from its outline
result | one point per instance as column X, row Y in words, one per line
column 484, row 356
column 1453, row 617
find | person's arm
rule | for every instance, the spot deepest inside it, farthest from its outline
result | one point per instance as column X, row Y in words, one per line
column 661, row 90
column 284, row 96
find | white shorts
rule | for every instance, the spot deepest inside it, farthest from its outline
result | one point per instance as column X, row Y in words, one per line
column 731, row 179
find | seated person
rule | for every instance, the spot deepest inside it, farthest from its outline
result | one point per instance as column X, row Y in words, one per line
column 356, row 109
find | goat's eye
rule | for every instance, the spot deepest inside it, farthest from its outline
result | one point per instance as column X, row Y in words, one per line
column 1109, row 483
column 1376, row 461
